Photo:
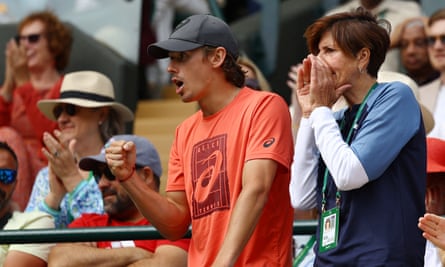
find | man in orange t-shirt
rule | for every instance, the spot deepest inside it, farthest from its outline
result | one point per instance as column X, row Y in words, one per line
column 229, row 167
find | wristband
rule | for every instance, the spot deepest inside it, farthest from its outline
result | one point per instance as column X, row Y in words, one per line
column 129, row 176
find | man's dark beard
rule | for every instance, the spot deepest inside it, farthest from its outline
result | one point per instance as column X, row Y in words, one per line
column 120, row 208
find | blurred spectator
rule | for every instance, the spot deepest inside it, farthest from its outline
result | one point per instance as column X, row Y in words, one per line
column 391, row 11
column 19, row 255
column 432, row 95
column 35, row 59
column 121, row 211
column 254, row 76
column 87, row 116
column 410, row 37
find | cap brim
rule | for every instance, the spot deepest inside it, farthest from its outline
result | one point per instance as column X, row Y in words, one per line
column 90, row 163
column 161, row 49
column 47, row 107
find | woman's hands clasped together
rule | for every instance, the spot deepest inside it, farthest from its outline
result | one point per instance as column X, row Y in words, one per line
column 64, row 175
column 316, row 85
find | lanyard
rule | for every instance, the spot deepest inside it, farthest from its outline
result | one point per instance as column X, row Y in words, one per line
column 354, row 126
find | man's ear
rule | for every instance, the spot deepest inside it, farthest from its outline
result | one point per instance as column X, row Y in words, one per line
column 148, row 177
column 218, row 56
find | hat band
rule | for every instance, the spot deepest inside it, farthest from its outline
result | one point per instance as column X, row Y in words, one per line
column 88, row 96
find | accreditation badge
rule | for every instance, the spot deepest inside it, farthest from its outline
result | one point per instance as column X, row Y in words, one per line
column 329, row 229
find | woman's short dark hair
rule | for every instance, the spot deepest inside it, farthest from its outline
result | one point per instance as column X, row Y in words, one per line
column 353, row 31
column 57, row 33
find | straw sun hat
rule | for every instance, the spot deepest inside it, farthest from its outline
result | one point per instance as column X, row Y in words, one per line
column 87, row 89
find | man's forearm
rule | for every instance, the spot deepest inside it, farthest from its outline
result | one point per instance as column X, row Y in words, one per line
column 169, row 215
column 258, row 176
column 242, row 224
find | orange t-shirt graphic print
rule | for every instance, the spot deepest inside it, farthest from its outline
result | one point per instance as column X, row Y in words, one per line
column 209, row 176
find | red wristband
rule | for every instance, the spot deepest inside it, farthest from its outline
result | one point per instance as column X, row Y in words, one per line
column 128, row 177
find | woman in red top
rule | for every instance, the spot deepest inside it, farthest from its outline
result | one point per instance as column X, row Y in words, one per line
column 34, row 61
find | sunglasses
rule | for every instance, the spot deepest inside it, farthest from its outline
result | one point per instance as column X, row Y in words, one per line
column 7, row 176
column 431, row 40
column 69, row 109
column 31, row 38
column 97, row 174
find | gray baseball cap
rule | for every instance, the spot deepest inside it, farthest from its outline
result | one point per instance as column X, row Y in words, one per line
column 196, row 31
column 146, row 154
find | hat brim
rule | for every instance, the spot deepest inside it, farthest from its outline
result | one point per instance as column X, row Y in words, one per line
column 161, row 49
column 90, row 163
column 47, row 107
